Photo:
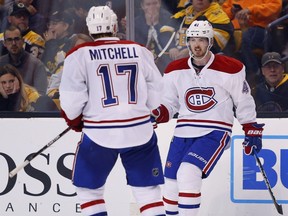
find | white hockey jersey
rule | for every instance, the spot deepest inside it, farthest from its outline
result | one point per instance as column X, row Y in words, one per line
column 114, row 84
column 205, row 101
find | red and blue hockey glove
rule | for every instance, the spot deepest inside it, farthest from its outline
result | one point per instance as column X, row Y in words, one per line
column 160, row 115
column 75, row 124
column 253, row 138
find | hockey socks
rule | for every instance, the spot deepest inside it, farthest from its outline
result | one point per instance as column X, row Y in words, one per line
column 91, row 201
column 94, row 208
column 189, row 203
column 170, row 197
column 183, row 197
column 189, row 179
column 149, row 200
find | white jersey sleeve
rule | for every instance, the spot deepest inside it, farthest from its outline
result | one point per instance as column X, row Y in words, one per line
column 114, row 84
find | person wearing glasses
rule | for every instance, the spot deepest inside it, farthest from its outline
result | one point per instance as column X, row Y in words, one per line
column 31, row 69
column 18, row 15
column 272, row 94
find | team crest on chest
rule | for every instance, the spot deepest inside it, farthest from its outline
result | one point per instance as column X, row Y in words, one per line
column 200, row 99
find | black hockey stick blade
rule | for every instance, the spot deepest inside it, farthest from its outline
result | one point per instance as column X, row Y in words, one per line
column 32, row 156
column 278, row 206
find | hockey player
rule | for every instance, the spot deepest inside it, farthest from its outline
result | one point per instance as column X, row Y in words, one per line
column 109, row 88
column 203, row 89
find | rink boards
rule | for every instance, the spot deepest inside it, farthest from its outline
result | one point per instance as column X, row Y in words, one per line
column 235, row 187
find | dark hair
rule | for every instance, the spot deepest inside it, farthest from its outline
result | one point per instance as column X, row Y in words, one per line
column 23, row 103
column 11, row 28
column 10, row 69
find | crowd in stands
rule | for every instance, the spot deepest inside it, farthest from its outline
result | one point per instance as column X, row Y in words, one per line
column 35, row 36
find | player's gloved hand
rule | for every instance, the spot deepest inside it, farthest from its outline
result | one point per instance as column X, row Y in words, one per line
column 253, row 138
column 161, row 114
column 75, row 124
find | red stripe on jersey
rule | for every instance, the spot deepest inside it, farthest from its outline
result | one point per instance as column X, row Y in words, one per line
column 171, row 202
column 151, row 205
column 177, row 65
column 211, row 161
column 120, row 120
column 101, row 42
column 226, row 64
column 204, row 121
column 189, row 194
column 94, row 202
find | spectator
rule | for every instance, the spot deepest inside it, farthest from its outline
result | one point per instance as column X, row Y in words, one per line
column 153, row 28
column 55, row 79
column 272, row 94
column 33, row 42
column 202, row 10
column 81, row 9
column 31, row 69
column 36, row 20
column 60, row 39
column 252, row 17
column 15, row 95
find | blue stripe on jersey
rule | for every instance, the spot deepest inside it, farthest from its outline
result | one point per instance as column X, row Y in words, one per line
column 171, row 213
column 118, row 126
column 204, row 126
column 188, row 206
column 100, row 214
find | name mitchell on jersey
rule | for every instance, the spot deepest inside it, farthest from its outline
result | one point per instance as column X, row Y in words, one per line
column 113, row 53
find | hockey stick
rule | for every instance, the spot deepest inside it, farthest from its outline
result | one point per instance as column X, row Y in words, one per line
column 166, row 47
column 32, row 156
column 278, row 207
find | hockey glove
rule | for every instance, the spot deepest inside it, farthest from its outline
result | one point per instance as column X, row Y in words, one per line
column 161, row 114
column 75, row 124
column 253, row 138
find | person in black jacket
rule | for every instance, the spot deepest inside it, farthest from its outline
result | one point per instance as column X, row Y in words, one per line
column 272, row 94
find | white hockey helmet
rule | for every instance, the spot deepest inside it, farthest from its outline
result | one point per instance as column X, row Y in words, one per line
column 200, row 28
column 101, row 19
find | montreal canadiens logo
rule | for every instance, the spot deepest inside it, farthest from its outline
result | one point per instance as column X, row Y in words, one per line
column 200, row 99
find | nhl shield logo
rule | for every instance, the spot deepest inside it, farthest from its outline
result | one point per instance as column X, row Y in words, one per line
column 155, row 172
